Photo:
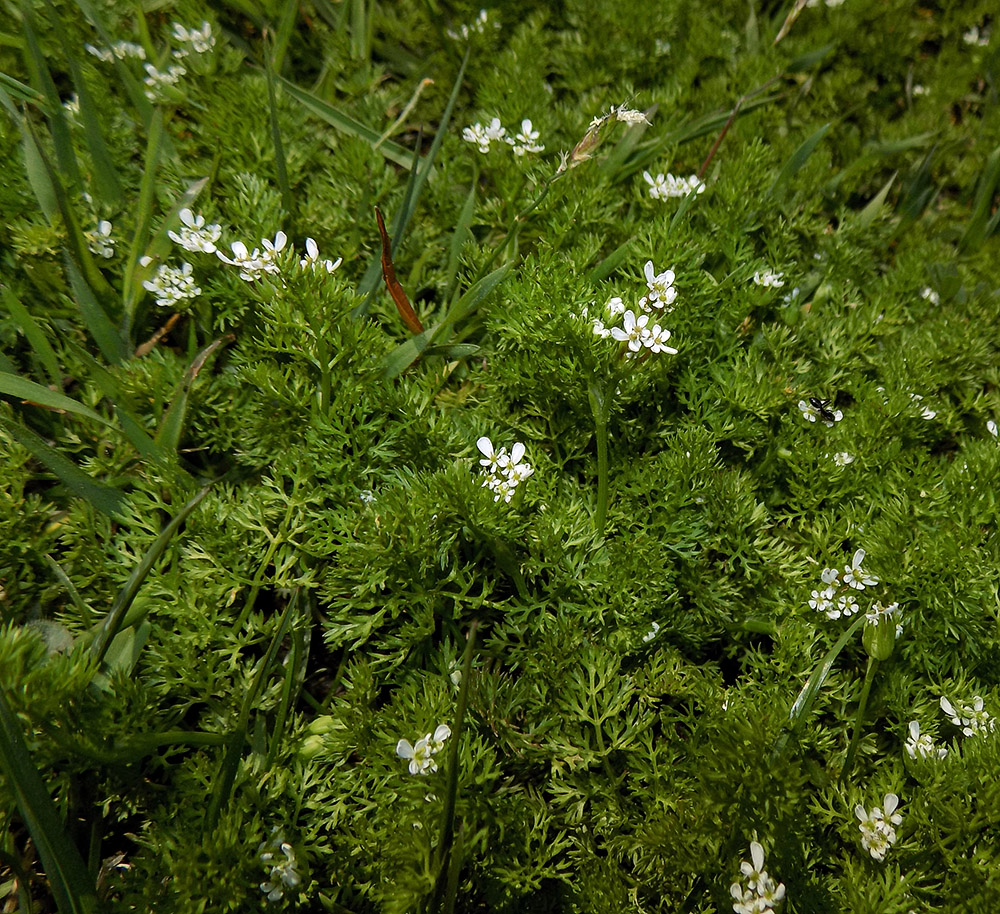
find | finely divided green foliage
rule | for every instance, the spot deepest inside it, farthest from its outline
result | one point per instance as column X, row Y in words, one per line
column 242, row 546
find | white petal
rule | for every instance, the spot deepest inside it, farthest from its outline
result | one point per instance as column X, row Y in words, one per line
column 485, row 447
column 890, row 803
column 404, row 749
column 757, row 855
column 442, row 732
column 516, row 452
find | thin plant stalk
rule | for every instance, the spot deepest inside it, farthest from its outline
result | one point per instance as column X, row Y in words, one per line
column 859, row 719
column 600, row 405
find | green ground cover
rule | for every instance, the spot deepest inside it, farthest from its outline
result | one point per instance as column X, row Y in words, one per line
column 628, row 531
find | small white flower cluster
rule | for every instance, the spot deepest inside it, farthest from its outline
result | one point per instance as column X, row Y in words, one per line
column 635, row 331
column 522, row 143
column 816, row 408
column 171, row 285
column 620, row 113
column 878, row 613
column 921, row 744
column 195, row 235
column 842, row 458
column 930, row 295
column 877, row 831
column 504, row 472
column 478, row 27
column 99, row 240
column 422, row 754
column 972, row 719
column 760, row 893
column 254, row 264
column 201, row 40
column 769, row 279
column 837, row 599
column 158, row 80
column 283, row 874
column 663, row 187
column 120, row 49
column 977, row 36
column 652, row 633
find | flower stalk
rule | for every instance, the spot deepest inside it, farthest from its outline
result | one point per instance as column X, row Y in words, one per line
column 859, row 719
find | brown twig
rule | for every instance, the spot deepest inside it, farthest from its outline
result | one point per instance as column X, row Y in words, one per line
column 403, row 305
column 148, row 346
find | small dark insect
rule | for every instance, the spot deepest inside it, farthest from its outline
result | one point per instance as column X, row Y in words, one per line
column 823, row 408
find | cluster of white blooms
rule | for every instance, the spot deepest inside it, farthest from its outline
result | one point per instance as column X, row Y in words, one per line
column 837, row 599
column 99, row 240
column 422, row 754
column 478, row 27
column 120, row 49
column 201, row 40
column 171, row 285
column 816, row 408
column 522, row 143
column 283, row 874
column 917, row 400
column 663, row 187
column 878, row 613
column 760, row 893
column 194, row 235
column 769, row 279
column 254, row 264
column 842, row 458
column 972, row 719
column 504, row 472
column 635, row 330
column 921, row 744
column 877, row 831
column 977, row 36
column 930, row 295
column 158, row 80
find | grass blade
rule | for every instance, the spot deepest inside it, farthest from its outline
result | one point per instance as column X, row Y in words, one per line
column 16, row 386
column 980, row 224
column 779, row 188
column 404, row 355
column 112, row 623
column 101, row 328
column 171, row 427
column 72, row 887
column 873, row 207
column 472, row 297
column 347, row 124
column 105, row 499
column 461, row 235
column 280, row 165
column 35, row 337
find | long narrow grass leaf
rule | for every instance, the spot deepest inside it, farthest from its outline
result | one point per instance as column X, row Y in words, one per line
column 286, row 28
column 19, row 90
column 15, row 386
column 96, row 319
column 280, row 164
column 779, row 187
column 980, row 223
column 86, row 616
column 459, row 237
column 112, row 623
column 168, row 436
column 404, row 355
column 35, row 336
column 473, row 296
column 347, row 124
column 72, row 887
column 105, row 499
column 867, row 216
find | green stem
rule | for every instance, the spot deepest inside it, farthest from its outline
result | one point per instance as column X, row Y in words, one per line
column 859, row 719
column 600, row 405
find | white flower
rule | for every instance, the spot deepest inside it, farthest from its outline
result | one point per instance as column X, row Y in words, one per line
column 820, row 409
column 925, row 412
column 769, row 279
column 157, row 80
column 656, row 338
column 661, row 286
column 250, row 263
column 877, row 832
column 616, row 306
column 855, row 576
column 632, row 332
column 652, row 633
column 195, row 235
column 921, row 744
column 100, row 241
column 312, row 261
column 282, row 874
column 271, row 251
column 629, row 115
column 847, row 605
column 201, row 40
column 477, row 134
column 927, row 292
column 120, row 49
column 761, row 893
column 829, row 575
column 477, row 27
column 878, row 612
column 421, row 755
column 599, row 328
column 504, row 472
column 525, row 140
column 663, row 187
column 172, row 285
column 492, row 458
column 974, row 36
column 972, row 718
column 822, row 601
column 991, row 427
column 842, row 458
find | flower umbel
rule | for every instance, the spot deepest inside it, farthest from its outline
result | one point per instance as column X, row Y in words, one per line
column 504, row 472
column 921, row 744
column 877, row 826
column 194, row 235
column 421, row 755
column 759, row 893
column 279, row 856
